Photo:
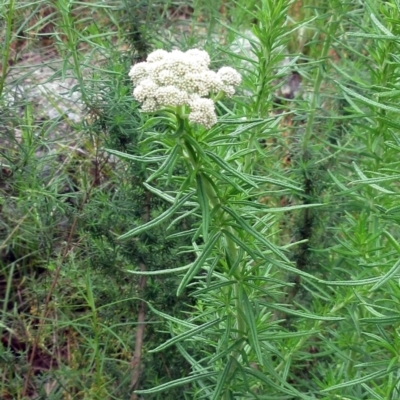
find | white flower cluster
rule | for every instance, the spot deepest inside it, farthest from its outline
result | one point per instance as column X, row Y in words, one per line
column 182, row 79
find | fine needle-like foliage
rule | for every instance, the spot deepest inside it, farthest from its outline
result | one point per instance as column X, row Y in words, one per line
column 199, row 199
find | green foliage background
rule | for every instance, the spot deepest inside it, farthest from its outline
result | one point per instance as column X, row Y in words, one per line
column 69, row 308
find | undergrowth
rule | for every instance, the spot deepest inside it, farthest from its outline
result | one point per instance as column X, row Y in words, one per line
column 316, row 119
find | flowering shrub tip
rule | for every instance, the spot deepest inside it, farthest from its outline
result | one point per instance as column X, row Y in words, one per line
column 176, row 79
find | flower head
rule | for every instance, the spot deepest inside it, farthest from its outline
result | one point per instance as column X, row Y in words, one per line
column 182, row 79
column 202, row 112
column 230, row 78
column 171, row 96
column 145, row 90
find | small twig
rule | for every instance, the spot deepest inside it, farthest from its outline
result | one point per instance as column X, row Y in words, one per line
column 137, row 354
column 67, row 250
column 4, row 244
column 168, row 372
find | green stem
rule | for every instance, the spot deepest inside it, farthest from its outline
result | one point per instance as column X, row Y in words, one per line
column 65, row 8
column 7, row 44
column 315, row 100
column 231, row 250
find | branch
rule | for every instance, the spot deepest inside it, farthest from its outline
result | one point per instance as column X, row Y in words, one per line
column 137, row 354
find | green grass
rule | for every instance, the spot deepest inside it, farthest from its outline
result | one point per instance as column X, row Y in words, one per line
column 71, row 312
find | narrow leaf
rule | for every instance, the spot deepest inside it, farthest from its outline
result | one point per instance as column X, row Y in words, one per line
column 364, row 178
column 222, row 379
column 157, row 221
column 166, row 196
column 276, row 182
column 382, row 320
column 136, row 158
column 378, row 180
column 187, row 335
column 195, row 145
column 389, row 275
column 212, row 287
column 203, row 201
column 160, row 271
column 177, row 382
column 171, row 318
column 360, row 282
column 254, row 254
column 284, row 387
column 208, row 247
column 366, row 378
column 269, row 209
column 224, row 165
column 251, row 325
column 381, row 27
column 167, row 165
column 249, row 229
column 367, row 100
column 389, row 236
column 227, row 179
column 302, row 314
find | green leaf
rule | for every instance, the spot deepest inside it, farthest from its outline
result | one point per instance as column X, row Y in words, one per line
column 247, row 125
column 240, row 154
column 181, row 234
column 178, row 382
column 279, row 336
column 365, row 179
column 208, row 247
column 283, row 387
column 372, row 392
column 389, row 275
column 160, row 271
column 135, row 158
column 377, row 180
column 269, row 209
column 253, row 253
column 227, row 179
column 251, row 324
column 388, row 235
column 366, row 378
column 212, row 287
column 166, row 196
column 187, row 335
column 367, row 100
column 373, row 36
column 151, row 122
column 301, row 314
column 249, row 229
column 360, row 282
column 180, row 218
column 382, row 320
column 170, row 317
column 167, row 165
column 203, row 201
column 224, row 165
column 222, row 380
column 191, row 143
column 157, row 221
column 285, row 184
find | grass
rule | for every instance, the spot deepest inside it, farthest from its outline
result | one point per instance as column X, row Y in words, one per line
column 321, row 80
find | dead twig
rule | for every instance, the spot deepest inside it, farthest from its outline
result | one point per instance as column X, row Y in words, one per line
column 137, row 354
column 67, row 249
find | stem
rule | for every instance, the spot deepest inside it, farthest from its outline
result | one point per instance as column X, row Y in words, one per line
column 315, row 101
column 136, row 360
column 231, row 250
column 7, row 44
column 65, row 8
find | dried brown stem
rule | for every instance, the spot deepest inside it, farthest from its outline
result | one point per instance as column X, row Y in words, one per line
column 137, row 354
column 67, row 249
